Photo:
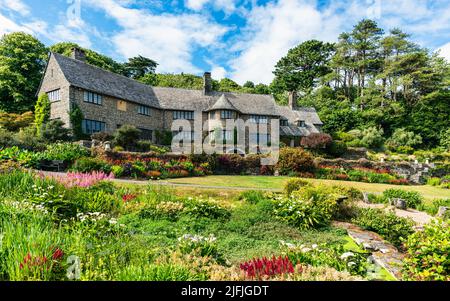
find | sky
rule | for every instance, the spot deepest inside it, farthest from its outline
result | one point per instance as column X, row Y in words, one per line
column 238, row 39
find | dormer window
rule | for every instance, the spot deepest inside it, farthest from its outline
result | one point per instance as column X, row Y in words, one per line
column 226, row 114
column 259, row 119
column 302, row 124
column 284, row 122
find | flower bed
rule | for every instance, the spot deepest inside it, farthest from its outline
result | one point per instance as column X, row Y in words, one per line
column 368, row 175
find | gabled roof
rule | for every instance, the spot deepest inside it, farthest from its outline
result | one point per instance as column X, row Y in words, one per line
column 223, row 104
column 88, row 77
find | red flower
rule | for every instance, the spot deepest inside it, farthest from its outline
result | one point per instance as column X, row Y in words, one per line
column 57, row 254
column 258, row 268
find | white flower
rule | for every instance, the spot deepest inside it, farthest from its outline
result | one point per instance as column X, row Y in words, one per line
column 347, row 255
column 314, row 246
column 305, row 250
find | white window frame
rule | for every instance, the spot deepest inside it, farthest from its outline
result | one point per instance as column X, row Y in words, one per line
column 144, row 110
column 94, row 98
column 54, row 96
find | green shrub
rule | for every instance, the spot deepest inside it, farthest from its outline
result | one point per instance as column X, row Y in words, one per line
column 401, row 138
column 428, row 252
column 413, row 199
column 252, row 196
column 203, row 208
column 433, row 209
column 336, row 149
column 295, row 160
column 117, row 170
column 309, row 207
column 127, row 136
column 64, row 151
column 387, row 224
column 55, row 131
column 294, row 185
column 434, row 181
column 86, row 165
column 372, row 138
column 41, row 112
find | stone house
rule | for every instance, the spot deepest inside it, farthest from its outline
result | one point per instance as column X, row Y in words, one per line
column 109, row 100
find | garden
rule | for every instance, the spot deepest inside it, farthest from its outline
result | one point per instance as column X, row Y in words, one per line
column 83, row 226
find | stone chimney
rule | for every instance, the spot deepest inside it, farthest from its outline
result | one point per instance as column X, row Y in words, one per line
column 78, row 54
column 293, row 100
column 207, row 83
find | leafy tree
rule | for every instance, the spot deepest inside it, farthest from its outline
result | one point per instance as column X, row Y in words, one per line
column 372, row 138
column 42, row 112
column 138, row 67
column 445, row 139
column 22, row 62
column 249, row 84
column 227, row 85
column 303, row 65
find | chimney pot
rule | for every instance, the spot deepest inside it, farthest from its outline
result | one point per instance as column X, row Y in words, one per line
column 207, row 83
column 78, row 54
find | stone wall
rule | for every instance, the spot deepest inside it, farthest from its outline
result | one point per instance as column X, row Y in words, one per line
column 53, row 80
column 109, row 113
column 415, row 173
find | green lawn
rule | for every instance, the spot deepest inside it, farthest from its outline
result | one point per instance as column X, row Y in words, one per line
column 277, row 183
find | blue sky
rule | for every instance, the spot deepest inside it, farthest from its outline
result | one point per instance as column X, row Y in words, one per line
column 239, row 39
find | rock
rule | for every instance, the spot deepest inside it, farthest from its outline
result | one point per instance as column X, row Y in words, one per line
column 442, row 211
column 366, row 198
column 399, row 204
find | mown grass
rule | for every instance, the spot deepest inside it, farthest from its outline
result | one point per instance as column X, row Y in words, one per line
column 277, row 183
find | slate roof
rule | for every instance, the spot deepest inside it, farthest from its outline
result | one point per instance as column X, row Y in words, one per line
column 223, row 104
column 88, row 77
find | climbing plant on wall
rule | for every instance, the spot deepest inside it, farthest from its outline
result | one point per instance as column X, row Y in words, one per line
column 76, row 117
column 41, row 112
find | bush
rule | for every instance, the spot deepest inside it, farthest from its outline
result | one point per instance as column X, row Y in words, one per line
column 14, row 122
column 295, row 160
column 64, row 151
column 427, row 256
column 231, row 164
column 54, row 131
column 307, row 208
column 434, row 181
column 433, row 209
column 336, row 149
column 294, row 185
column 86, row 165
column 413, row 199
column 117, row 170
column 316, row 141
column 403, row 138
column 372, row 138
column 127, row 136
column 445, row 139
column 41, row 112
column 252, row 196
column 208, row 209
column 388, row 225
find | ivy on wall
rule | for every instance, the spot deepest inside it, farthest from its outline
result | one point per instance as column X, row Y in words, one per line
column 76, row 117
column 41, row 112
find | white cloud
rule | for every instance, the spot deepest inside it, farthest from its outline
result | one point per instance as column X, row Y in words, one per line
column 195, row 4
column 218, row 72
column 17, row 6
column 228, row 6
column 7, row 25
column 444, row 51
column 272, row 29
column 169, row 39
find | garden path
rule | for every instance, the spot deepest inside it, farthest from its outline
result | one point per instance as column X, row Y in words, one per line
column 383, row 253
column 419, row 217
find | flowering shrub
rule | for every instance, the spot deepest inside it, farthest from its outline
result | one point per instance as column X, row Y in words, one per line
column 258, row 269
column 74, row 179
column 128, row 197
column 205, row 208
column 333, row 256
column 427, row 256
column 294, row 185
column 305, row 210
column 197, row 244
